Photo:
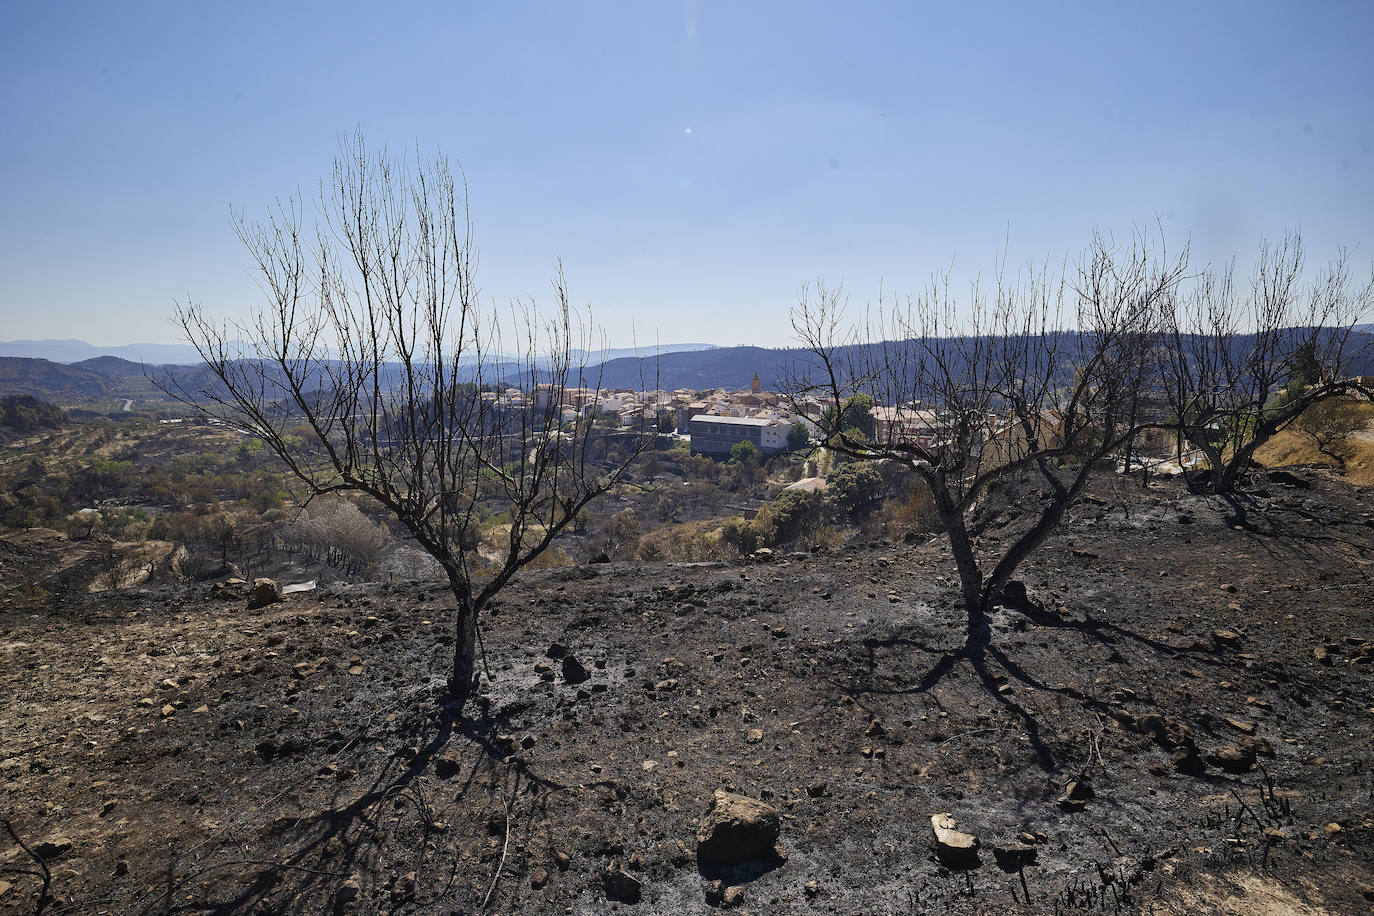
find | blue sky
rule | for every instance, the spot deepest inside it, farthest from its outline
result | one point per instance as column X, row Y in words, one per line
column 692, row 164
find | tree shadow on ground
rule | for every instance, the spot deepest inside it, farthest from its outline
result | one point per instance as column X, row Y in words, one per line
column 974, row 652
column 993, row 666
column 300, row 864
column 741, row 873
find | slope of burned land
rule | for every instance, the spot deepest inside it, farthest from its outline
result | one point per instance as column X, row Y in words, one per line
column 1178, row 720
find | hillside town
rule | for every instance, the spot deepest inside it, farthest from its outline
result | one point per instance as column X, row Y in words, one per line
column 713, row 420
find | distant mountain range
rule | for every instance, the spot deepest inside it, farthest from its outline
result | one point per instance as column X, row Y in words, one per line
column 109, row 378
column 77, row 351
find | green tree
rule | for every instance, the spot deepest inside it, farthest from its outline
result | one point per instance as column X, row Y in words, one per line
column 740, row 535
column 853, row 487
column 744, row 452
column 793, row 514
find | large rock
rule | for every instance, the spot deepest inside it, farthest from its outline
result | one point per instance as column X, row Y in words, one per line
column 265, row 592
column 953, row 846
column 737, row 829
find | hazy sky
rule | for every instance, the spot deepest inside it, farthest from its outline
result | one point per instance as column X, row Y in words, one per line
column 692, row 164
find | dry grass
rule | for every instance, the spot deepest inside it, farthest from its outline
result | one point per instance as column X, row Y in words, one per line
column 1294, row 447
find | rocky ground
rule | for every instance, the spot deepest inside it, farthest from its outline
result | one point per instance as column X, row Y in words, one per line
column 1179, row 720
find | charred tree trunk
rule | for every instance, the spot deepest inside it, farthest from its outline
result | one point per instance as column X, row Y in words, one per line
column 462, row 682
column 965, row 560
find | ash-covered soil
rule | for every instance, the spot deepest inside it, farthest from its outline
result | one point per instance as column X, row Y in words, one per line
column 1180, row 720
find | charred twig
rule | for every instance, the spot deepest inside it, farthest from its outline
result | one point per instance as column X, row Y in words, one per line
column 505, row 846
column 1247, row 809
column 43, row 873
column 976, row 731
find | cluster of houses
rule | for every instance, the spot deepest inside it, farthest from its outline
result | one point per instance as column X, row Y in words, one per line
column 715, row 421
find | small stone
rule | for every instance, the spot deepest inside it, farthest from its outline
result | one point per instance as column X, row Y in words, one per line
column 557, row 651
column 1187, row 760
column 733, row 896
column 952, row 846
column 539, row 877
column 811, row 889
column 1241, row 726
column 1077, row 792
column 1014, row 856
column 620, row 885
column 348, row 891
column 53, row 847
column 754, row 736
column 648, row 765
column 818, row 789
column 404, row 887
column 1232, row 759
column 574, row 672
column 1226, row 638
column 168, row 710
column 562, row 860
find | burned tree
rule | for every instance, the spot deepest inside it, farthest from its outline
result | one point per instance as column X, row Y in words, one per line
column 1037, row 382
column 1331, row 426
column 374, row 367
column 1243, row 361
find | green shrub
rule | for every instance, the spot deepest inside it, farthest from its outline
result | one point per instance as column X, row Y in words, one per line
column 793, row 514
